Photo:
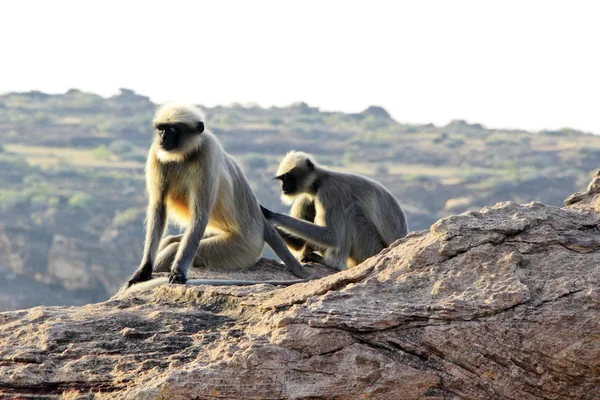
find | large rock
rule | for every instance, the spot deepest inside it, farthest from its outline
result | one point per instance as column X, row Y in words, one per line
column 503, row 303
column 588, row 200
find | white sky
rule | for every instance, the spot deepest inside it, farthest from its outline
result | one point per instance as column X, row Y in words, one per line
column 507, row 64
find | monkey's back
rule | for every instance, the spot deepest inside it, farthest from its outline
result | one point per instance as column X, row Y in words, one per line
column 237, row 209
column 377, row 203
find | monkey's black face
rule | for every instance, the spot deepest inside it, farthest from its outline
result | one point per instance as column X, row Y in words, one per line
column 288, row 183
column 169, row 137
column 172, row 136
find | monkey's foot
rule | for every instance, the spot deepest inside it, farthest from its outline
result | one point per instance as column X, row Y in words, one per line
column 177, row 277
column 312, row 257
column 142, row 274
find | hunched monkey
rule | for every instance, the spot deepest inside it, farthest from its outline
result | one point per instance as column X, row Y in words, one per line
column 193, row 182
column 354, row 217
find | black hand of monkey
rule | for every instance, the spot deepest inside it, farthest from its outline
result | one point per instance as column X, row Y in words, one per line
column 142, row 274
column 268, row 214
column 312, row 257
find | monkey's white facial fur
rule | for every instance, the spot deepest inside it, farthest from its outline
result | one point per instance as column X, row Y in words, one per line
column 178, row 131
column 288, row 200
column 296, row 173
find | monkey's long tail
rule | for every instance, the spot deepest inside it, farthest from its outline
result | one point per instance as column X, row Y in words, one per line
column 152, row 283
column 276, row 243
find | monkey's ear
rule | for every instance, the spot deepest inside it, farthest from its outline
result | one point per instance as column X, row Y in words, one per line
column 200, row 127
column 310, row 164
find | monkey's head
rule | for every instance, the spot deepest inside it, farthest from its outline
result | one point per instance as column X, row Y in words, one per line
column 297, row 175
column 177, row 131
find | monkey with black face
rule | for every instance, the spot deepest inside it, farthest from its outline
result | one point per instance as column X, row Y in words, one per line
column 193, row 182
column 350, row 217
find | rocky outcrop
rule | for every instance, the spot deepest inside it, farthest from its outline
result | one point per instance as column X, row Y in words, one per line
column 502, row 303
column 588, row 200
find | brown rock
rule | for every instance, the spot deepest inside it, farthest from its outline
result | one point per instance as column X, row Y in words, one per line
column 503, row 303
column 589, row 199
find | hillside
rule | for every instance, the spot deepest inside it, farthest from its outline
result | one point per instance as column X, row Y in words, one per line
column 72, row 194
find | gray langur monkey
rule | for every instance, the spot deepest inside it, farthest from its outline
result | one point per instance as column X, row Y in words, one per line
column 346, row 217
column 193, row 182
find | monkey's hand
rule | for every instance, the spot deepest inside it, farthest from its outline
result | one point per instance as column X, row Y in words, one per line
column 312, row 257
column 177, row 277
column 142, row 274
column 268, row 214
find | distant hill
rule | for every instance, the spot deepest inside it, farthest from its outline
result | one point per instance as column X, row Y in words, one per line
column 72, row 191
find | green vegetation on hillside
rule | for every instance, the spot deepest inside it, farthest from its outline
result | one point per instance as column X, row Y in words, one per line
column 427, row 167
column 72, row 164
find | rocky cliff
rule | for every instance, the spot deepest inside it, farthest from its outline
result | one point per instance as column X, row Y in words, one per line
column 501, row 303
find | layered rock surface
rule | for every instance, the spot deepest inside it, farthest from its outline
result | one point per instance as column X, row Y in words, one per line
column 503, row 303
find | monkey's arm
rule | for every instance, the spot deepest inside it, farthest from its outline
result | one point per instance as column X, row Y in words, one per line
column 274, row 241
column 316, row 234
column 156, row 216
column 201, row 204
column 302, row 208
column 295, row 243
column 292, row 241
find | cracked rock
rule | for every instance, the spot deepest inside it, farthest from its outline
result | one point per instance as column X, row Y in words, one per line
column 503, row 303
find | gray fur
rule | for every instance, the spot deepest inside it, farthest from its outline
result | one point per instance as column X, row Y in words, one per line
column 201, row 188
column 302, row 208
column 355, row 218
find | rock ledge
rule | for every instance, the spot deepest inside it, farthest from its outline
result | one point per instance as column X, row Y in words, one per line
column 503, row 303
